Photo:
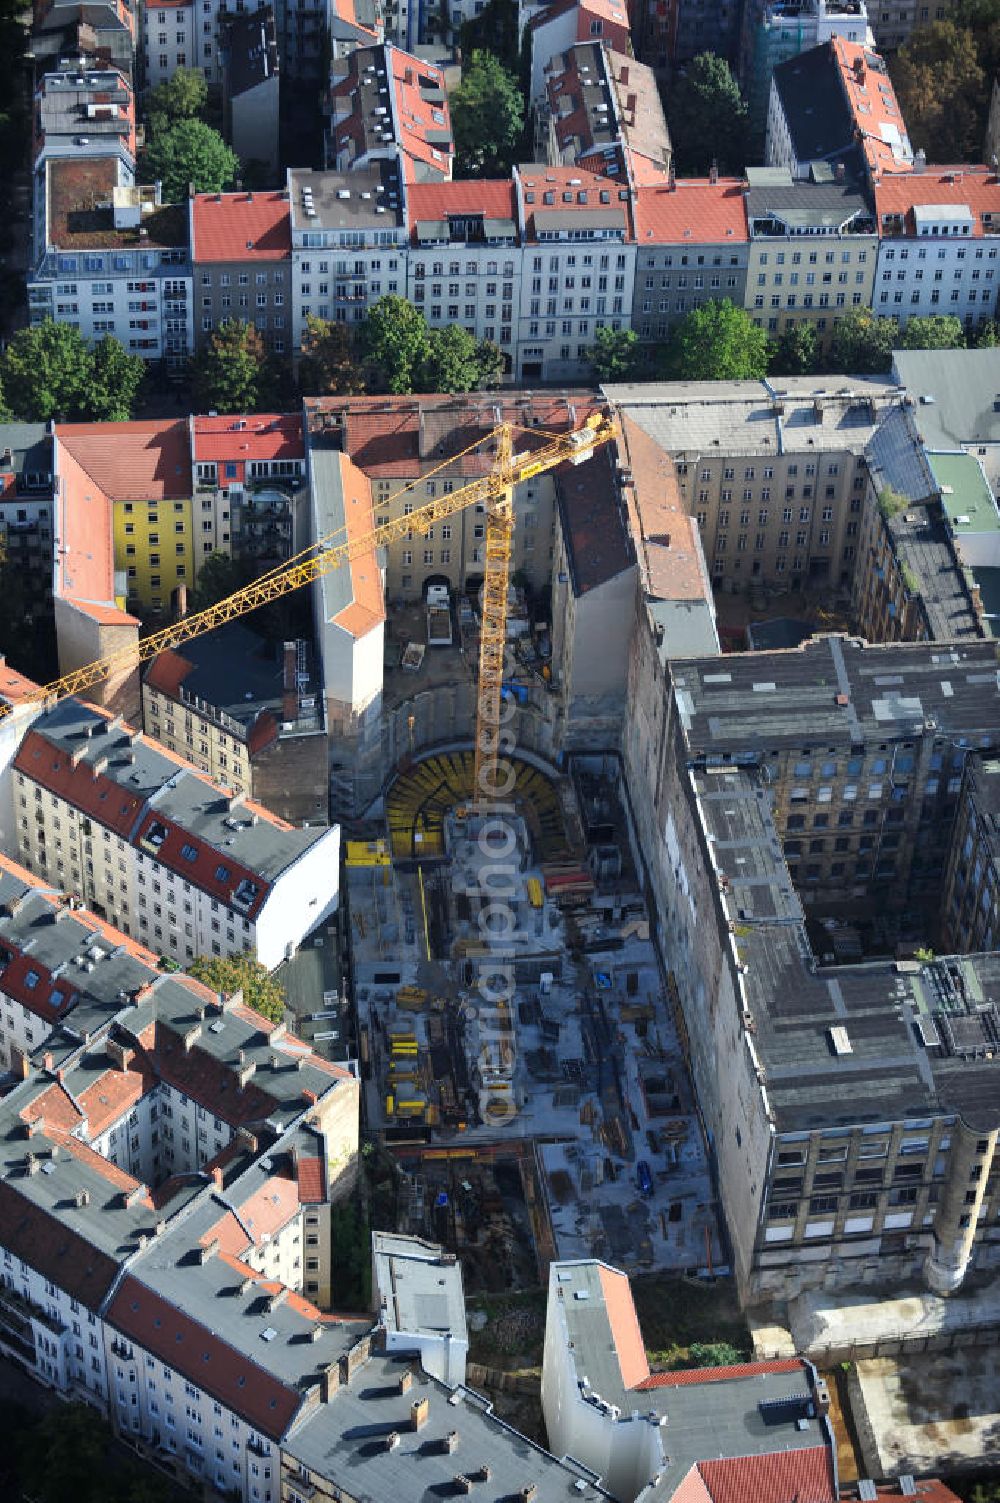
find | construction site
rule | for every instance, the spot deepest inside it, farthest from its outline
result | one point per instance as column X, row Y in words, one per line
column 562, row 1122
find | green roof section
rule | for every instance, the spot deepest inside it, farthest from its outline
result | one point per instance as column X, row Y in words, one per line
column 968, row 502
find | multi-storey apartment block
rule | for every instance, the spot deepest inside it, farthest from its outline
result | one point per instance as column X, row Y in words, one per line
column 79, row 107
column 241, row 254
column 189, row 1129
column 939, row 235
column 557, row 27
column 910, row 584
column 382, row 102
column 176, row 860
column 464, row 262
column 396, row 441
column 836, row 1166
column 186, row 34
column 775, row 475
column 249, row 477
column 111, row 259
column 26, row 505
column 812, row 253
column 971, row 896
column 348, row 241
column 578, row 267
column 247, row 712
column 836, row 104
column 691, row 247
column 772, row 31
column 598, row 105
column 144, row 469
column 952, row 401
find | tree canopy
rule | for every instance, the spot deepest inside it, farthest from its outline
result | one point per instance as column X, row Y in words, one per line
column 487, row 118
column 716, row 342
column 329, row 364
column 707, row 117
column 863, row 344
column 189, row 151
column 941, row 331
column 394, row 345
column 233, row 373
column 181, row 97
column 615, row 354
column 49, row 371
column 233, row 973
column 796, row 351
column 941, row 88
column 456, row 362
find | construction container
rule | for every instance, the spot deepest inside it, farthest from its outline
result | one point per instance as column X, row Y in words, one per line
column 411, row 998
column 535, row 897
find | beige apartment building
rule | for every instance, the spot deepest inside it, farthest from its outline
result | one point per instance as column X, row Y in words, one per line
column 773, row 471
column 402, row 444
column 812, row 253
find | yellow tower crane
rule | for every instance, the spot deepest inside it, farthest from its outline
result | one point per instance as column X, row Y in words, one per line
column 494, row 490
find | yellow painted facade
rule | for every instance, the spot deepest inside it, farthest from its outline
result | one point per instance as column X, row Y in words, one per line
column 154, row 544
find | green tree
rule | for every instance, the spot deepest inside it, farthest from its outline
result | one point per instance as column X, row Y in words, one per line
column 707, row 118
column 189, row 151
column 49, row 372
column 941, row 89
column 862, row 344
column 717, row 342
column 796, row 351
column 487, row 118
column 182, row 97
column 115, row 381
column 329, row 364
column 233, row 373
column 395, row 345
column 219, row 575
column 489, row 358
column 452, row 361
column 987, row 336
column 233, row 973
column 615, row 354
column 714, row 1354
column 941, row 331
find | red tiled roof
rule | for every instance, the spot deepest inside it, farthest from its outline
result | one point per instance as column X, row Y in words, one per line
column 269, row 1208
column 572, row 190
column 14, row 687
column 54, row 1109
column 624, row 1323
column 693, row 210
column 148, row 460
column 215, row 1366
column 241, row 227
column 663, row 531
column 167, row 672
column 85, row 561
column 366, row 609
column 720, row 1374
column 493, row 198
column 385, row 436
column 804, row 1476
column 978, row 188
column 312, row 1189
column 39, row 760
column 873, row 104
column 262, row 436
column 48, row 1246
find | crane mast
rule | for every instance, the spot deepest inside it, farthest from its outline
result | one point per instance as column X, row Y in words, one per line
column 495, row 490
